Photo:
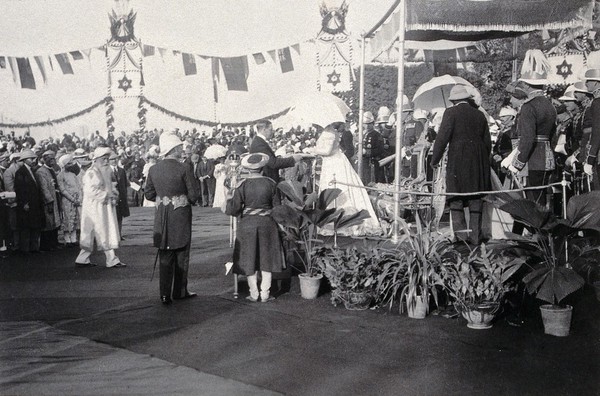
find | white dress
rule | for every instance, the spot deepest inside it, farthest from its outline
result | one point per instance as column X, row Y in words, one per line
column 336, row 166
column 147, row 166
column 220, row 174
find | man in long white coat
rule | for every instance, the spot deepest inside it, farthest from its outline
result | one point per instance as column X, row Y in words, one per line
column 98, row 212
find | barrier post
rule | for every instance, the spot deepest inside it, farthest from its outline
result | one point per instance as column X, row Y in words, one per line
column 563, row 183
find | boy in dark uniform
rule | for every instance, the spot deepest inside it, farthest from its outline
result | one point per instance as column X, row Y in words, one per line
column 171, row 185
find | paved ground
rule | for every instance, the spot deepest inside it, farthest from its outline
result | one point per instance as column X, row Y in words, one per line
column 99, row 331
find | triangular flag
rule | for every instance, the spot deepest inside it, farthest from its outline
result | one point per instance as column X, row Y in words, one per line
column 76, row 55
column 64, row 63
column 40, row 63
column 26, row 74
column 189, row 64
column 51, row 63
column 296, row 47
column 216, row 76
column 285, row 60
column 87, row 53
column 273, row 55
column 148, row 50
column 2, row 62
column 236, row 73
column 13, row 68
column 162, row 52
column 259, row 58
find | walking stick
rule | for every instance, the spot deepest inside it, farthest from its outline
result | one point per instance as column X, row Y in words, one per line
column 563, row 183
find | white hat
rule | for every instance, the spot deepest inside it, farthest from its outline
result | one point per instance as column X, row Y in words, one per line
column 26, row 154
column 592, row 75
column 420, row 113
column 459, row 92
column 79, row 153
column 568, row 95
column 406, row 105
column 368, row 118
column 64, row 160
column 168, row 142
column 383, row 115
column 14, row 156
column 535, row 68
column 507, row 111
column 101, row 152
column 580, row 86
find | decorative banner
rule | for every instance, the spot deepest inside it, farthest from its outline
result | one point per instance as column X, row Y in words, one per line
column 2, row 62
column 236, row 73
column 189, row 64
column 335, row 78
column 64, row 63
column 57, row 120
column 566, row 69
column 40, row 62
column 124, row 69
column 148, row 50
column 76, row 55
column 285, row 60
column 142, row 114
column 26, row 74
column 259, row 58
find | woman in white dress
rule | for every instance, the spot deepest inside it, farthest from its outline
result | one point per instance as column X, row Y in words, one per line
column 220, row 174
column 151, row 158
column 353, row 198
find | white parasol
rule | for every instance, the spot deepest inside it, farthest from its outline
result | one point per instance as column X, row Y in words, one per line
column 215, row 151
column 320, row 108
column 434, row 93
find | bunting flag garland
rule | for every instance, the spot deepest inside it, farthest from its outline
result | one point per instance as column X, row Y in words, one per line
column 236, row 72
column 13, row 68
column 285, row 60
column 76, row 55
column 273, row 55
column 296, row 47
column 2, row 62
column 203, row 122
column 148, row 50
column 57, row 120
column 51, row 63
column 259, row 58
column 64, row 63
column 189, row 64
column 26, row 74
column 40, row 62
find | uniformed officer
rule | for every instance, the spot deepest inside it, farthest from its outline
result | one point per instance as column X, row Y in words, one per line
column 389, row 146
column 536, row 125
column 373, row 151
column 171, row 185
column 592, row 82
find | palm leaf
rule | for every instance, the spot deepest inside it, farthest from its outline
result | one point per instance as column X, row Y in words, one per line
column 327, row 196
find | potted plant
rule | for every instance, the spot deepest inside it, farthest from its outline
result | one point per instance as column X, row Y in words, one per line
column 300, row 216
column 477, row 283
column 353, row 273
column 552, row 277
column 423, row 251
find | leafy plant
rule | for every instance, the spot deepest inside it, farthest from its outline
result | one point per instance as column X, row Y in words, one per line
column 552, row 278
column 352, row 270
column 302, row 214
column 481, row 277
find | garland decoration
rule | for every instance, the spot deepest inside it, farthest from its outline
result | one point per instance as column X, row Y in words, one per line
column 110, row 120
column 56, row 120
column 142, row 114
column 204, row 122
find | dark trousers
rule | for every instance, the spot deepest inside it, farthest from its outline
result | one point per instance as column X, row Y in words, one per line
column 49, row 240
column 174, row 271
column 459, row 222
column 207, row 187
column 29, row 240
column 534, row 178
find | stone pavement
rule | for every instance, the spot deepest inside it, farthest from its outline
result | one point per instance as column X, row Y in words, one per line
column 100, row 331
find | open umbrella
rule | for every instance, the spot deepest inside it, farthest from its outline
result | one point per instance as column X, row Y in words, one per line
column 215, row 151
column 434, row 93
column 320, row 108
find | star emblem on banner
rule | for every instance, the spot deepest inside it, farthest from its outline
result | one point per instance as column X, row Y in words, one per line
column 124, row 84
column 564, row 69
column 333, row 78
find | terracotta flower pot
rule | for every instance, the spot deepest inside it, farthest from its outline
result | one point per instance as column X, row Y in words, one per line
column 480, row 317
column 557, row 320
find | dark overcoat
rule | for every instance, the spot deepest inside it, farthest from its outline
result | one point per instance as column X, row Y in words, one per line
column 122, row 184
column 28, row 192
column 464, row 130
column 172, row 226
column 271, row 170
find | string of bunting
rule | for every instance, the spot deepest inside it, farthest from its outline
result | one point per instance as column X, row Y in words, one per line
column 204, row 122
column 56, row 120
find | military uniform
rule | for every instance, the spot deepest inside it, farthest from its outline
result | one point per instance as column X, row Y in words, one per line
column 594, row 145
column 171, row 186
column 374, row 150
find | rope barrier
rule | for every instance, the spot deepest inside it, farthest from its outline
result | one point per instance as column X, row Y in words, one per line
column 428, row 194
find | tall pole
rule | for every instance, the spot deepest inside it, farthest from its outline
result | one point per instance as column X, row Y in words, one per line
column 515, row 62
column 399, row 120
column 361, row 107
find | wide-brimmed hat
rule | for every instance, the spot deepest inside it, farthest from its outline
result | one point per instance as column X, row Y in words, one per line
column 580, row 86
column 507, row 111
column 592, row 75
column 368, row 118
column 568, row 95
column 101, row 152
column 535, row 68
column 420, row 113
column 14, row 156
column 534, row 78
column 27, row 154
column 167, row 142
column 459, row 92
column 254, row 161
column 383, row 115
column 80, row 153
column 49, row 153
column 64, row 160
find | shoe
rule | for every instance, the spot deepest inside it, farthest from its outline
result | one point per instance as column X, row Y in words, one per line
column 250, row 298
column 84, row 264
column 118, row 265
column 165, row 300
column 270, row 298
column 122, row 238
column 187, row 295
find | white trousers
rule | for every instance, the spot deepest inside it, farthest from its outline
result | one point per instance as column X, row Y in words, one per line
column 111, row 257
column 265, row 285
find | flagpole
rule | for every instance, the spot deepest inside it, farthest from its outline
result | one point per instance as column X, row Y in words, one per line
column 399, row 120
column 361, row 104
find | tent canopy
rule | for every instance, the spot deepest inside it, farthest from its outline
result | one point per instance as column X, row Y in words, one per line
column 472, row 20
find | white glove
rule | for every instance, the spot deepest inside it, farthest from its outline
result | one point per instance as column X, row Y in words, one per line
column 505, row 162
column 560, row 148
column 571, row 160
column 512, row 169
column 588, row 169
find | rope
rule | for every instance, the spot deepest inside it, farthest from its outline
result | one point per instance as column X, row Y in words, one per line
column 428, row 194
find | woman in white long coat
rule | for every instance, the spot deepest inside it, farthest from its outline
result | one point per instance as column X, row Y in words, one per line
column 98, row 212
column 70, row 188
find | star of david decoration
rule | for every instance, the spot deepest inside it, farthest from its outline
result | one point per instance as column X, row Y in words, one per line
column 333, row 78
column 564, row 69
column 124, row 84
